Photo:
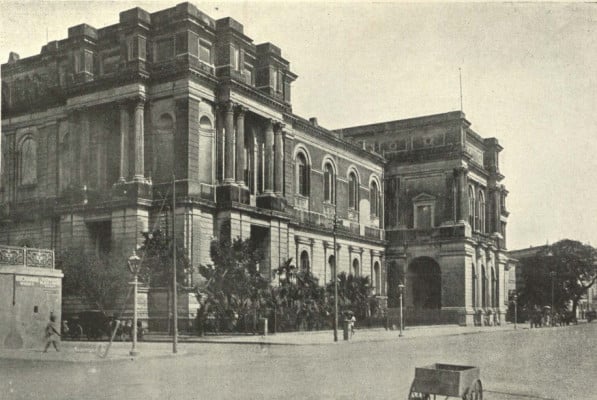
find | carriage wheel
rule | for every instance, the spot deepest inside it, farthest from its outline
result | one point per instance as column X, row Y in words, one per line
column 474, row 392
column 417, row 395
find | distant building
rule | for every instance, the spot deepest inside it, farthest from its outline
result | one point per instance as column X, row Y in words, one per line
column 96, row 125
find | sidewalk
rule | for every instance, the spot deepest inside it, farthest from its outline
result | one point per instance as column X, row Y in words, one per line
column 327, row 337
column 156, row 345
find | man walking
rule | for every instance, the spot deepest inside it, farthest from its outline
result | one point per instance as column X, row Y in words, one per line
column 52, row 334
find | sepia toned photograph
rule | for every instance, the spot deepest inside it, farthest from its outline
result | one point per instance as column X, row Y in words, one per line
column 298, row 200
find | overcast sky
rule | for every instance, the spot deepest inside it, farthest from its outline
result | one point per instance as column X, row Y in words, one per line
column 529, row 75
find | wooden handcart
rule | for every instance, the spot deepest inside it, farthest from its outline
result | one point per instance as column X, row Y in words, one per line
column 446, row 380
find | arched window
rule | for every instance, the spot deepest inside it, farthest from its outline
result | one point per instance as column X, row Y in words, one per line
column 481, row 201
column 332, row 264
column 206, row 140
column 471, row 207
column 328, row 184
column 374, row 199
column 376, row 278
column 28, row 162
column 355, row 267
column 205, row 123
column 353, row 191
column 304, row 261
column 302, row 175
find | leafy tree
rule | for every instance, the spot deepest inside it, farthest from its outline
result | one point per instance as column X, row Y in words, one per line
column 298, row 300
column 99, row 279
column 233, row 284
column 157, row 263
column 157, row 260
column 354, row 293
column 568, row 267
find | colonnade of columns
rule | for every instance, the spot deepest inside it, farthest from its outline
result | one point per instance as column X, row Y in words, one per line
column 137, row 169
column 485, row 288
column 231, row 136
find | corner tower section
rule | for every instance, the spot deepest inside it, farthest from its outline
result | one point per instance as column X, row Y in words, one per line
column 445, row 218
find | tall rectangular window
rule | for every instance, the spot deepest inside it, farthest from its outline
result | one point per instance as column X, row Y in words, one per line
column 424, row 217
column 235, row 58
column 205, row 52
column 164, row 49
column 279, row 81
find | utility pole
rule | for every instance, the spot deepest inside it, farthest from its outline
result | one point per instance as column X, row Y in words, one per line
column 174, row 291
column 335, row 273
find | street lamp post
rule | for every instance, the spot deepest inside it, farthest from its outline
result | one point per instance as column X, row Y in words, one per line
column 553, row 276
column 134, row 264
column 400, row 292
column 515, row 298
column 334, row 271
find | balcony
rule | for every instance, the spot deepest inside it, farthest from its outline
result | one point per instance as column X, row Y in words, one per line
column 329, row 210
column 374, row 233
column 301, row 202
column 353, row 215
column 307, row 218
column 26, row 257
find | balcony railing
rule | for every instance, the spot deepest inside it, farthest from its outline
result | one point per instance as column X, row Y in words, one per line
column 26, row 257
column 374, row 233
column 301, row 202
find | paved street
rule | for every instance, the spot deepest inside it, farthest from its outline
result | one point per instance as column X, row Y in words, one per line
column 548, row 363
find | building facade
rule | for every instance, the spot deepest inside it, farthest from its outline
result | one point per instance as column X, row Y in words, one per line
column 97, row 126
column 445, row 217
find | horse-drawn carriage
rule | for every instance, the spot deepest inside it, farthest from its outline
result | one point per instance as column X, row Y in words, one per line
column 446, row 380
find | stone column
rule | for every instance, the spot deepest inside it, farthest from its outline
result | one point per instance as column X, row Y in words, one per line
column 269, row 146
column 278, row 159
column 463, row 194
column 240, row 146
column 84, row 148
column 219, row 143
column 124, row 142
column 497, row 209
column 138, row 141
column 229, row 145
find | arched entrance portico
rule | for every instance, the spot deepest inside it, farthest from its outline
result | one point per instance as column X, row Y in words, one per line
column 424, row 283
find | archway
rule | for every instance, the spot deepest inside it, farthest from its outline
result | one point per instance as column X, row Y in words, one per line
column 424, row 282
column 304, row 261
column 355, row 267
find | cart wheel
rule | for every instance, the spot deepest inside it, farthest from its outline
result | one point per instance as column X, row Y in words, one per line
column 416, row 395
column 475, row 392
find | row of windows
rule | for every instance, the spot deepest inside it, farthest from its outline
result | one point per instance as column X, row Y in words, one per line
column 303, row 186
column 355, row 270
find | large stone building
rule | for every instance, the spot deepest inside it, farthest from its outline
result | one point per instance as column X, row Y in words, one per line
column 95, row 127
column 445, row 217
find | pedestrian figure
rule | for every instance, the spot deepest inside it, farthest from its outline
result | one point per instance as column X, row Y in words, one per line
column 52, row 334
column 353, row 321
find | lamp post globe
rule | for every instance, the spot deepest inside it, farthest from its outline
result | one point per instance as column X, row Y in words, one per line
column 134, row 264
